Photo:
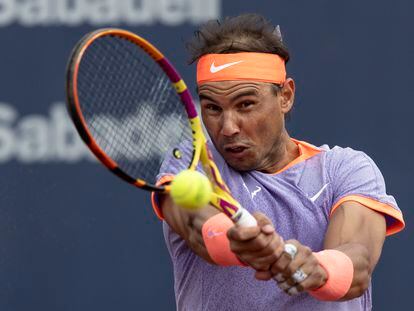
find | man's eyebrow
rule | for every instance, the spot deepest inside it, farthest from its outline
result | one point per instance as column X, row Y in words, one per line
column 205, row 97
column 234, row 98
column 245, row 93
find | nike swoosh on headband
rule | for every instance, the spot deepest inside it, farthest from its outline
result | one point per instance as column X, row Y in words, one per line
column 214, row 68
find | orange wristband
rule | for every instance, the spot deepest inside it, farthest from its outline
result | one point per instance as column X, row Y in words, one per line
column 340, row 270
column 215, row 239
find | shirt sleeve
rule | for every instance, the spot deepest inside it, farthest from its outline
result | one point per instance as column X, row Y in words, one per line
column 355, row 177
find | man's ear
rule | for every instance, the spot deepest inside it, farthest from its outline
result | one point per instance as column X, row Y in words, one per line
column 288, row 95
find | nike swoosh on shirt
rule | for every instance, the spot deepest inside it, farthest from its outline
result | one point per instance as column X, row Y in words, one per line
column 214, row 68
column 317, row 195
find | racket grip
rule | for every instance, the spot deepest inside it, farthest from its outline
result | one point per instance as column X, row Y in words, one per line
column 245, row 219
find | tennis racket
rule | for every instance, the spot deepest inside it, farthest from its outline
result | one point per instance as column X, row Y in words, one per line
column 131, row 107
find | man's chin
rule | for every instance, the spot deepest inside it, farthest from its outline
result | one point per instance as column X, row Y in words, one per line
column 240, row 165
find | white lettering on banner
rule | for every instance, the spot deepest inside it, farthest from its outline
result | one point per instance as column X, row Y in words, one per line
column 67, row 13
column 32, row 139
column 103, row 11
column 7, row 116
column 34, row 12
column 6, row 12
column 99, row 12
column 171, row 11
column 135, row 14
column 38, row 138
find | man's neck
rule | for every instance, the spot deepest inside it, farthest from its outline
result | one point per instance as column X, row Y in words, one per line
column 286, row 151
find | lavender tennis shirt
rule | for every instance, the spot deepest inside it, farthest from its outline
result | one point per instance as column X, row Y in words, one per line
column 299, row 200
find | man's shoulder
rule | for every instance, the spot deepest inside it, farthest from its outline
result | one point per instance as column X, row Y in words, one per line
column 341, row 153
column 340, row 162
column 335, row 153
column 341, row 159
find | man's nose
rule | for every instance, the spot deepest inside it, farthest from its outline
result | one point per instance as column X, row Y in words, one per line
column 230, row 125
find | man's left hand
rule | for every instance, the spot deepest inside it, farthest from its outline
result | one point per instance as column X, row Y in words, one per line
column 296, row 270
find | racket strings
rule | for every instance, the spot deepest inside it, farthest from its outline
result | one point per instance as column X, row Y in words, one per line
column 130, row 106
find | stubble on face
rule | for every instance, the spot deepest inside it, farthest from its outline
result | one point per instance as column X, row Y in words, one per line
column 245, row 122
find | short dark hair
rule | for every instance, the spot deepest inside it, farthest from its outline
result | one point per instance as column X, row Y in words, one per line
column 243, row 33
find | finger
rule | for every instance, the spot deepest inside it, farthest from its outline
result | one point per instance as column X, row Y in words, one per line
column 264, row 223
column 285, row 286
column 279, row 278
column 243, row 234
column 262, row 260
column 268, row 229
column 304, row 256
column 305, row 265
column 263, row 275
column 316, row 277
column 258, row 244
column 301, row 272
column 284, row 259
column 298, row 277
column 259, row 264
column 262, row 246
column 293, row 291
column 268, row 255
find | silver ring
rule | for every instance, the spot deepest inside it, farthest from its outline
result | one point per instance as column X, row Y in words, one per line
column 291, row 250
column 299, row 276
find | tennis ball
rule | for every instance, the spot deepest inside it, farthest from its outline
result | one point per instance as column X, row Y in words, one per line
column 191, row 189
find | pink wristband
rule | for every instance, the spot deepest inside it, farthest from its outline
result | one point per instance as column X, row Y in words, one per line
column 215, row 239
column 340, row 270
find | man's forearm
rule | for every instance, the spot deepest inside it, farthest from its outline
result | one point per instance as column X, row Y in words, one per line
column 188, row 225
column 360, row 258
column 359, row 233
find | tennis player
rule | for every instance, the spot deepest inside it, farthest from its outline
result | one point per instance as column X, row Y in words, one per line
column 322, row 212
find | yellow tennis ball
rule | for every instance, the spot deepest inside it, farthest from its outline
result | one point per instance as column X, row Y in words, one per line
column 191, row 189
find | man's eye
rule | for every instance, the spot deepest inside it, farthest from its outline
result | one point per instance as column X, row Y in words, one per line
column 213, row 108
column 246, row 104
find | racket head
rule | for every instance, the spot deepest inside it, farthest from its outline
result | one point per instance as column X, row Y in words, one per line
column 115, row 80
column 107, row 71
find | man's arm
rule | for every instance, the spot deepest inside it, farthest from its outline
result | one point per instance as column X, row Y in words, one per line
column 187, row 224
column 359, row 232
column 354, row 229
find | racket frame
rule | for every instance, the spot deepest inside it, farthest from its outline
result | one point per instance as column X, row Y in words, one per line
column 221, row 197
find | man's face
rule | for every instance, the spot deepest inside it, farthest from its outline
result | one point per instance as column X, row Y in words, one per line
column 245, row 120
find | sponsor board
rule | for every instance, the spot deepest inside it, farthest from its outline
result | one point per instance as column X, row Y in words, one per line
column 40, row 138
column 32, row 13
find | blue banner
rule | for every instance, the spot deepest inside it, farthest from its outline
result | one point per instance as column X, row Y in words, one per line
column 74, row 237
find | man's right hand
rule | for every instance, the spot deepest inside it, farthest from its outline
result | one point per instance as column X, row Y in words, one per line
column 258, row 246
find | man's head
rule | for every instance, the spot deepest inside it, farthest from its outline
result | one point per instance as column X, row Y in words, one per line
column 244, row 110
column 243, row 33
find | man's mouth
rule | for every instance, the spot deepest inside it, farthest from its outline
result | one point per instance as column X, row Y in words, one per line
column 235, row 149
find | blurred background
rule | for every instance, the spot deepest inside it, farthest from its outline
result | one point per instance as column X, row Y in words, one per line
column 74, row 237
